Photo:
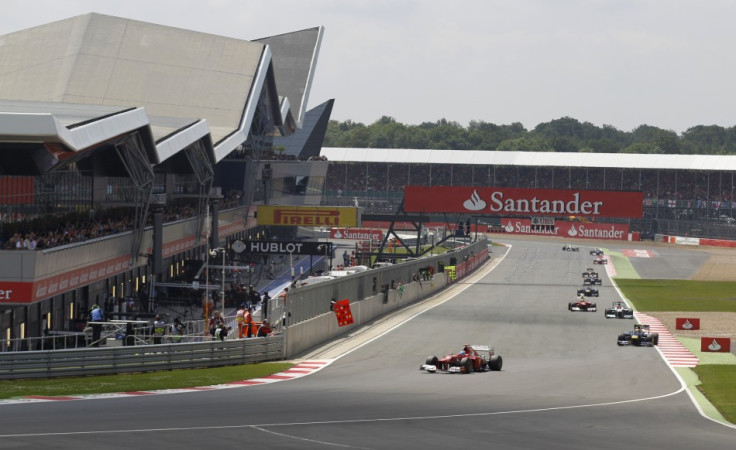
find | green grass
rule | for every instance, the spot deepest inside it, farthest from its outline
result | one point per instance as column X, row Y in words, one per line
column 717, row 372
column 137, row 382
column 679, row 295
column 719, row 386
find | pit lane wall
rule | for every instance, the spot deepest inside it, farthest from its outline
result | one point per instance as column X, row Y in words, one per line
column 403, row 289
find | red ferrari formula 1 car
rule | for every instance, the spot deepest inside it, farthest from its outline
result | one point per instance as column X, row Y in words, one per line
column 472, row 358
column 581, row 304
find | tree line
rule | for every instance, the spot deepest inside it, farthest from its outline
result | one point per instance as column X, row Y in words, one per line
column 561, row 135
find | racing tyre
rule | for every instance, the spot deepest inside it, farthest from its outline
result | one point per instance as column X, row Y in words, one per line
column 655, row 338
column 495, row 363
column 432, row 360
column 621, row 337
column 467, row 363
column 569, row 306
column 606, row 312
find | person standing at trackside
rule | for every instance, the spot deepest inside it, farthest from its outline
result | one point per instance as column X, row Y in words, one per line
column 176, row 331
column 264, row 304
column 159, row 328
column 345, row 259
column 265, row 329
column 248, row 321
column 96, row 319
column 240, row 319
column 217, row 327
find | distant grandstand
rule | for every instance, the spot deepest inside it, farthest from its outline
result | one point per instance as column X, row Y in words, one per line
column 686, row 195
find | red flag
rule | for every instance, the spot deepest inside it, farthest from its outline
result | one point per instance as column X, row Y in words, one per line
column 343, row 313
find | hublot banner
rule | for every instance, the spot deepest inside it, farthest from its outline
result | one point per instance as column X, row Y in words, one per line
column 285, row 247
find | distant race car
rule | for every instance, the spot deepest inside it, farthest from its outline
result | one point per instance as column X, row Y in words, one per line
column 588, row 291
column 641, row 337
column 597, row 252
column 570, row 248
column 590, row 273
column 619, row 310
column 580, row 304
column 592, row 281
column 472, row 358
column 600, row 260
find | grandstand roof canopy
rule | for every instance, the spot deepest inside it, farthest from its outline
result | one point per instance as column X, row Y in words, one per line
column 77, row 82
column 537, row 159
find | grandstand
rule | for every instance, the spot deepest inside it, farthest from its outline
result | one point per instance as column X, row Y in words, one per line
column 684, row 195
column 130, row 148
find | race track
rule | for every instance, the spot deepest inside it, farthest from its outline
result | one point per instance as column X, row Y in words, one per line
column 565, row 384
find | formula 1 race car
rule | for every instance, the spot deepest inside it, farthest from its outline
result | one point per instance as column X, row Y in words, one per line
column 570, row 248
column 472, row 358
column 592, row 281
column 600, row 260
column 641, row 337
column 619, row 310
column 597, row 252
column 580, row 304
column 590, row 273
column 588, row 291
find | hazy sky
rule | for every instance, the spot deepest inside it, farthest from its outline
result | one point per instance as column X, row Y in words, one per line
column 665, row 63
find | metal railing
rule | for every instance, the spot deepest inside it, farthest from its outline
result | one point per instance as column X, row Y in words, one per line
column 113, row 360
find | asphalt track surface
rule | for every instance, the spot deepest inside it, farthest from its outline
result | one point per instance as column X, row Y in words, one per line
column 564, row 384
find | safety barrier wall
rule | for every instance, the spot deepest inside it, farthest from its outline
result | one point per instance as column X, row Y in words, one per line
column 307, row 302
column 319, row 328
column 100, row 361
column 687, row 240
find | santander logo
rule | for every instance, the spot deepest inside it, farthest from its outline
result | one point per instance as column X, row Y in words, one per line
column 687, row 325
column 474, row 203
column 714, row 346
column 573, row 231
column 509, row 227
column 338, row 234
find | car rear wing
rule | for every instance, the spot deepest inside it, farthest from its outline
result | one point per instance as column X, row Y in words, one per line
column 482, row 348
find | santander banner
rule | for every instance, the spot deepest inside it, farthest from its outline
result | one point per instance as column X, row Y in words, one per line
column 512, row 201
column 362, row 234
column 568, row 229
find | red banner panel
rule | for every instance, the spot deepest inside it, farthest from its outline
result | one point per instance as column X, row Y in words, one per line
column 512, row 201
column 359, row 234
column 343, row 313
column 715, row 344
column 685, row 323
column 615, row 231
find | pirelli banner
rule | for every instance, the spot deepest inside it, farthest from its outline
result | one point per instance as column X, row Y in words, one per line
column 512, row 201
column 308, row 216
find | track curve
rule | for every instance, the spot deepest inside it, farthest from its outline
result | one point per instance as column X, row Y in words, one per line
column 564, row 384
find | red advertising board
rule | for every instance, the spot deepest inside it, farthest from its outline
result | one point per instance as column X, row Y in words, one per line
column 577, row 230
column 513, row 201
column 358, row 234
column 686, row 323
column 715, row 344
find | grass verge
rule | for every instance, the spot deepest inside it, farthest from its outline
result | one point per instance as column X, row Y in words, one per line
column 718, row 384
column 679, row 295
column 102, row 384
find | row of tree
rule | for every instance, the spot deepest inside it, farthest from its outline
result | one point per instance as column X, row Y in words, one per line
column 561, row 135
